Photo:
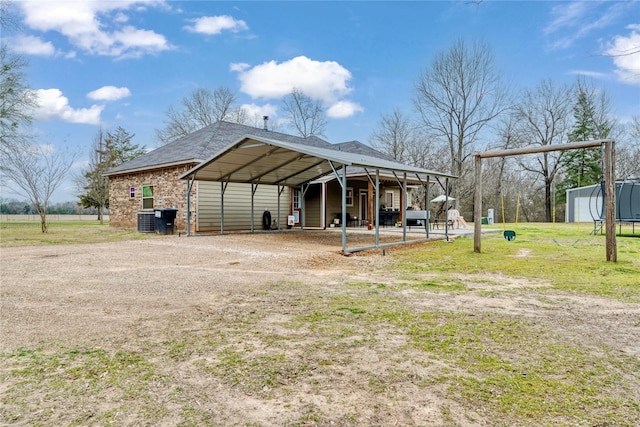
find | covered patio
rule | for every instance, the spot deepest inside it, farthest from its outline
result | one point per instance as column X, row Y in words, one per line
column 262, row 161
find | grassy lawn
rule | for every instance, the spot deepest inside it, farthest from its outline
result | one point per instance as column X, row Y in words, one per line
column 522, row 372
column 565, row 255
column 66, row 232
column 387, row 340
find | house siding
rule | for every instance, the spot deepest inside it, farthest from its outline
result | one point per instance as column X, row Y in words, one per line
column 237, row 206
column 169, row 192
column 334, row 199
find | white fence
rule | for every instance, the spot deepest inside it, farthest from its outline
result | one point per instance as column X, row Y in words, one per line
column 50, row 218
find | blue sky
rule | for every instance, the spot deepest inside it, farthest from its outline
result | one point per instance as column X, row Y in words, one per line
column 116, row 63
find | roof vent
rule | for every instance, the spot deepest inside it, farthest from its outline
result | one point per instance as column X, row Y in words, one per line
column 266, row 120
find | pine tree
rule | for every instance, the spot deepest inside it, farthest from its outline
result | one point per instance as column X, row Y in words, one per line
column 108, row 151
column 120, row 149
column 584, row 167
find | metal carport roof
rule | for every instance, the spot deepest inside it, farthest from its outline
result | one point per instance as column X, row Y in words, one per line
column 267, row 161
column 258, row 160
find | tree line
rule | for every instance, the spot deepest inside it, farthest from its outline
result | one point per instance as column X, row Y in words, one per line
column 205, row 106
column 23, row 207
column 460, row 104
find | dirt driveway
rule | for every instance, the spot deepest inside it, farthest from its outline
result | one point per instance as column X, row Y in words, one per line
column 230, row 324
column 78, row 292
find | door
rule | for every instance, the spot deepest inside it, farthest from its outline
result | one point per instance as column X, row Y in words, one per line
column 364, row 205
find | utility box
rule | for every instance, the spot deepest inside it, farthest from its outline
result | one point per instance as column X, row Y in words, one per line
column 490, row 216
column 146, row 222
column 164, row 220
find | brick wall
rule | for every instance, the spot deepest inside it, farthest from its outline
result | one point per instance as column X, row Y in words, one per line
column 168, row 191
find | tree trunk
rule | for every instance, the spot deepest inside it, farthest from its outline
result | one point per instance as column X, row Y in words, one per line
column 547, row 199
column 43, row 220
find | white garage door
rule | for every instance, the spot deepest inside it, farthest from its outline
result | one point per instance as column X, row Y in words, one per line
column 586, row 209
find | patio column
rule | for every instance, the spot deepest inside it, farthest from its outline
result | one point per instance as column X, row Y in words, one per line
column 371, row 206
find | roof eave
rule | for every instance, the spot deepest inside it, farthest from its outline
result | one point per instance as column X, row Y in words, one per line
column 158, row 166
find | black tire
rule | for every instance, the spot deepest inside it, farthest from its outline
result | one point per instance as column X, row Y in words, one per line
column 266, row 220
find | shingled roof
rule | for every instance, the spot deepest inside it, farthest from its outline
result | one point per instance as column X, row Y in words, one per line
column 204, row 143
column 357, row 147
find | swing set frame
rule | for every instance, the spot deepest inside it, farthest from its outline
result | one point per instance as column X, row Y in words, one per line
column 609, row 178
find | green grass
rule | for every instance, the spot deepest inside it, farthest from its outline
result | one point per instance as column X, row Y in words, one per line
column 511, row 368
column 30, row 234
column 565, row 256
column 522, row 371
column 69, row 379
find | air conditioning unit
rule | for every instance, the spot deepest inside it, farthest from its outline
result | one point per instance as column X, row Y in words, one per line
column 146, row 222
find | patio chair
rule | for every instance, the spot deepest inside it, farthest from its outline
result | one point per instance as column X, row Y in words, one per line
column 452, row 218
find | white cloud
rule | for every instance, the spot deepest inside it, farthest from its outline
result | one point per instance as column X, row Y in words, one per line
column 121, row 17
column 32, row 45
column 53, row 105
column 326, row 81
column 95, row 26
column 132, row 42
column 572, row 21
column 625, row 52
column 566, row 15
column 344, row 109
column 211, row 25
column 109, row 93
column 259, row 111
column 587, row 73
column 239, row 66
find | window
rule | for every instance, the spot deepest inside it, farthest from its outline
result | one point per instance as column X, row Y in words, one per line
column 388, row 199
column 132, row 192
column 349, row 196
column 147, row 197
column 297, row 200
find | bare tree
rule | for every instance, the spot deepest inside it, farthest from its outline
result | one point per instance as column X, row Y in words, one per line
column 457, row 96
column 201, row 108
column 17, row 101
column 238, row 115
column 427, row 153
column 304, row 114
column 497, row 171
column 38, row 170
column 394, row 136
column 628, row 151
column 544, row 119
column 8, row 20
column 634, row 127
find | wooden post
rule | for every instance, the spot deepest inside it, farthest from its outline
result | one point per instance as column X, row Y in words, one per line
column 477, row 206
column 610, row 200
